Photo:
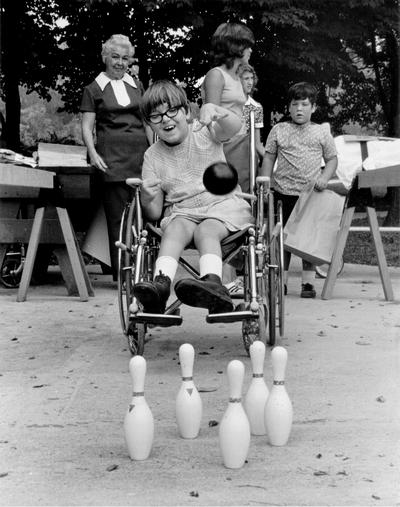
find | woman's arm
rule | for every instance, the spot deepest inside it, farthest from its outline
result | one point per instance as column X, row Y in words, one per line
column 213, row 86
column 221, row 122
column 88, row 119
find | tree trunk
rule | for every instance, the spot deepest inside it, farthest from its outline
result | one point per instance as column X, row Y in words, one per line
column 11, row 64
column 393, row 216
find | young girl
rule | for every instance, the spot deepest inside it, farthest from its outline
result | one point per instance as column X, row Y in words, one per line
column 249, row 80
column 173, row 170
column 231, row 46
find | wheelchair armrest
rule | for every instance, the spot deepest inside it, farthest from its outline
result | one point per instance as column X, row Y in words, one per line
column 133, row 182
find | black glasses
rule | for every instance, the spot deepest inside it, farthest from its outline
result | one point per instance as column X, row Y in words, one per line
column 158, row 117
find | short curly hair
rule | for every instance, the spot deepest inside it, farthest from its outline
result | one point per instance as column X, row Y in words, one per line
column 117, row 40
column 229, row 42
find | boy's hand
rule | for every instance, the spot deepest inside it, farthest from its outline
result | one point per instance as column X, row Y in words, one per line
column 321, row 184
column 150, row 189
column 208, row 113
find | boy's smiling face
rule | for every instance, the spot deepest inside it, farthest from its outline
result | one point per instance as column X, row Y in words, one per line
column 173, row 127
column 301, row 110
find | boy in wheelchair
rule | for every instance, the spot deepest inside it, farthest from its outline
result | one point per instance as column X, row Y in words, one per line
column 173, row 191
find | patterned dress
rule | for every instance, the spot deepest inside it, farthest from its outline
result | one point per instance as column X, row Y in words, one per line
column 253, row 105
column 180, row 169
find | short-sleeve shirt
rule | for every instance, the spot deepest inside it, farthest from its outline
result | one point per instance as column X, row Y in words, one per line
column 180, row 169
column 120, row 136
column 253, row 105
column 300, row 150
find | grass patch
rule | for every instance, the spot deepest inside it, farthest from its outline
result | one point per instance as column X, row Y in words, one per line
column 360, row 248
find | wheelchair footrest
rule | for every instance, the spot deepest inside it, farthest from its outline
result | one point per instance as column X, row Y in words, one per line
column 157, row 319
column 230, row 316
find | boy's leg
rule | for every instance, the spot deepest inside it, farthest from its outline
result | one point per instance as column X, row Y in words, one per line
column 154, row 295
column 307, row 278
column 208, row 292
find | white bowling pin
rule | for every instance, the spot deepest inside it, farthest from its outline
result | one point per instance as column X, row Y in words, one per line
column 278, row 409
column 188, row 405
column 257, row 394
column 234, row 430
column 139, row 421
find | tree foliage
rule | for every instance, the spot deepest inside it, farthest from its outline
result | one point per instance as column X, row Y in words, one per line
column 349, row 46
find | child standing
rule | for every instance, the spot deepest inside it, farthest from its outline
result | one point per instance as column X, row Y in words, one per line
column 299, row 146
column 173, row 170
column 249, row 81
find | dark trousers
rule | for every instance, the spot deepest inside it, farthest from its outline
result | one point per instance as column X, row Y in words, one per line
column 288, row 203
column 115, row 196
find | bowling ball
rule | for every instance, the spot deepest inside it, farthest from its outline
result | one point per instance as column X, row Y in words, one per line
column 220, row 178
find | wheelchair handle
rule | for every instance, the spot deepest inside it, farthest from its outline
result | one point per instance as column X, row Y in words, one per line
column 133, row 182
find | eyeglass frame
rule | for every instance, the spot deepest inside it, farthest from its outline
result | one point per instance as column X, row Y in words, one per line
column 165, row 113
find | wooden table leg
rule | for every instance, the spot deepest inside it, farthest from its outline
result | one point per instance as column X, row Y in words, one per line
column 334, row 266
column 380, row 254
column 77, row 264
column 30, row 255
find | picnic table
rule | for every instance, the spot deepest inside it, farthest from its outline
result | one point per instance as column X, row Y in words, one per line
column 370, row 154
column 49, row 196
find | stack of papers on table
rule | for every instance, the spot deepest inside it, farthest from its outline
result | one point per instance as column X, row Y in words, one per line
column 62, row 155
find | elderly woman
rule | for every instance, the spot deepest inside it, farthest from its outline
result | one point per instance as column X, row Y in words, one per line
column 113, row 131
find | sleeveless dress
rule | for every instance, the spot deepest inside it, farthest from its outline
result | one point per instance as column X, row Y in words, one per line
column 237, row 149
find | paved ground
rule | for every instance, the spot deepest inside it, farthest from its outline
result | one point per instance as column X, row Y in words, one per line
column 65, row 388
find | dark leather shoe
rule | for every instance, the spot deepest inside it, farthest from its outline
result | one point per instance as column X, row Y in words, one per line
column 153, row 296
column 208, row 292
column 307, row 290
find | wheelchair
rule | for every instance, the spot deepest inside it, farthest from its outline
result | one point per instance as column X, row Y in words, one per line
column 256, row 251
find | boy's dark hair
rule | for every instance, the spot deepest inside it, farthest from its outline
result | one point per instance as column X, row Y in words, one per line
column 301, row 91
column 162, row 92
column 229, row 42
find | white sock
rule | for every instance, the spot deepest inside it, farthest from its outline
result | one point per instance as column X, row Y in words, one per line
column 210, row 264
column 167, row 265
column 307, row 277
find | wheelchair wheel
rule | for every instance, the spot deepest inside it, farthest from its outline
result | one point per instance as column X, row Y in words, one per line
column 136, row 334
column 281, row 282
column 272, row 304
column 256, row 329
column 11, row 269
column 125, row 263
column 276, row 294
